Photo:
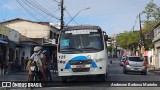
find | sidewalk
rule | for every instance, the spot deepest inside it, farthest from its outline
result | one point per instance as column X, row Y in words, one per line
column 155, row 71
column 18, row 76
column 22, row 76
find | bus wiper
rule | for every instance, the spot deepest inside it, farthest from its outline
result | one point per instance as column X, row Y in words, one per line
column 91, row 48
column 71, row 48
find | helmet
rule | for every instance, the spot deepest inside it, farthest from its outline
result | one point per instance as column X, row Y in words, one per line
column 37, row 48
column 44, row 51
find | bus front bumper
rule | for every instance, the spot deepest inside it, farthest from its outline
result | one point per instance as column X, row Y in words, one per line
column 92, row 71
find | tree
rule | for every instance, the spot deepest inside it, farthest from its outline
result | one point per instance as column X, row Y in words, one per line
column 128, row 40
column 109, row 48
column 152, row 11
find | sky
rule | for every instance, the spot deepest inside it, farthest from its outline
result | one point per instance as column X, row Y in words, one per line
column 113, row 16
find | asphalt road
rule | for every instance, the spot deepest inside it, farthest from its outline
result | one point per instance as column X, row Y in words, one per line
column 115, row 74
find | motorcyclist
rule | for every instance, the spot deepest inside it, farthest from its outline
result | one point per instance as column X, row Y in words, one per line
column 38, row 57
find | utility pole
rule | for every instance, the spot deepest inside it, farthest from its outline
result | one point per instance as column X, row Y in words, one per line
column 62, row 14
column 141, row 35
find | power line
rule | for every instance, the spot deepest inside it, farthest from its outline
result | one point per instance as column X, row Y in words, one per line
column 71, row 16
column 6, row 10
column 42, row 10
column 26, row 9
column 33, row 8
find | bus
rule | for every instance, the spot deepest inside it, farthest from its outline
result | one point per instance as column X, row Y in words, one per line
column 82, row 51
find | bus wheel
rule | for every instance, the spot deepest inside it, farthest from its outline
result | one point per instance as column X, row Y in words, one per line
column 64, row 79
column 102, row 77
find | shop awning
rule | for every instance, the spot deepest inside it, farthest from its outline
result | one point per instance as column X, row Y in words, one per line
column 4, row 42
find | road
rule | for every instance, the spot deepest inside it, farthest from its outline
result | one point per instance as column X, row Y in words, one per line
column 115, row 74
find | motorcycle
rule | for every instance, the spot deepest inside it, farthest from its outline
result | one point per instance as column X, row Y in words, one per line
column 34, row 73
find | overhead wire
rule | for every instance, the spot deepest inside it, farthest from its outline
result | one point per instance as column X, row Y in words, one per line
column 42, row 6
column 42, row 10
column 23, row 6
column 6, row 4
column 44, row 17
column 71, row 16
column 66, row 11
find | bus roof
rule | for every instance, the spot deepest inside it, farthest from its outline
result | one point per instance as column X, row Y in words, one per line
column 81, row 27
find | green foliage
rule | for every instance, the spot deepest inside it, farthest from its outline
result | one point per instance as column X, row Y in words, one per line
column 149, row 26
column 152, row 11
column 109, row 48
column 128, row 40
column 148, row 44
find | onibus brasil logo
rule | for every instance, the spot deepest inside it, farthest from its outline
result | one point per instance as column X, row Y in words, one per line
column 20, row 84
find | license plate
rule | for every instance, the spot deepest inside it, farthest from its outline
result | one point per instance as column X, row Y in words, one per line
column 136, row 68
column 80, row 66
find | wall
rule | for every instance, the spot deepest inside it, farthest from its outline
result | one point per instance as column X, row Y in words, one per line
column 13, row 36
column 156, row 41
column 26, row 50
column 29, row 29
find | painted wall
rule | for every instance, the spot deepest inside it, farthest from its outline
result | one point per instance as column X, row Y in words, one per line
column 29, row 29
column 13, row 36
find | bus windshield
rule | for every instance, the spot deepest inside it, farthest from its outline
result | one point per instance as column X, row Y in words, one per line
column 81, row 41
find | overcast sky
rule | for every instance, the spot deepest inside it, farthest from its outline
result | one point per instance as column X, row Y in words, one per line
column 113, row 16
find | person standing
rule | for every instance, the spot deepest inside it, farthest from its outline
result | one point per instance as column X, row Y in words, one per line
column 1, row 65
column 55, row 67
column 22, row 63
column 26, row 61
column 46, row 66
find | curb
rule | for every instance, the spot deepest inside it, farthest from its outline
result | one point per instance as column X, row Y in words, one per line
column 155, row 72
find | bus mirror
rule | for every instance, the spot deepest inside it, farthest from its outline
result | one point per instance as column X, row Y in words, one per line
column 54, row 41
column 106, row 37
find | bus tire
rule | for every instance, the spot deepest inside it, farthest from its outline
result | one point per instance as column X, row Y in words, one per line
column 64, row 79
column 102, row 77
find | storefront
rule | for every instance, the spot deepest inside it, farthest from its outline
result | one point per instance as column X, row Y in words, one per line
column 156, row 42
column 3, row 49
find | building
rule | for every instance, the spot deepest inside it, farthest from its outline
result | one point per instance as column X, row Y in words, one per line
column 9, row 44
column 156, row 42
column 32, row 34
column 109, row 42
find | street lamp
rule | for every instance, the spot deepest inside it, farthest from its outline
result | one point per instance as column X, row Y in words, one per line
column 77, row 14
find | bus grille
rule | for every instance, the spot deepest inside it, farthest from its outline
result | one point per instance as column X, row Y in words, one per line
column 80, row 69
column 80, row 62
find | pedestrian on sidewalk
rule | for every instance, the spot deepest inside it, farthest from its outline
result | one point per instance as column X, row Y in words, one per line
column 22, row 63
column 1, row 65
column 6, row 67
column 26, row 61
column 55, row 67
column 48, row 73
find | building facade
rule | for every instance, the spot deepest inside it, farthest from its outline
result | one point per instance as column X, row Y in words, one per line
column 156, row 42
column 9, row 44
column 32, row 34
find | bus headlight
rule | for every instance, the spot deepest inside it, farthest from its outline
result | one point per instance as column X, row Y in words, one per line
column 99, row 60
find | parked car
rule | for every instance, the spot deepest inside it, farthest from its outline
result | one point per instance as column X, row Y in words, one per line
column 135, row 64
column 122, row 60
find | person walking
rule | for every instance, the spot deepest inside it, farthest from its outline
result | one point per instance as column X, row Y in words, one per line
column 46, row 66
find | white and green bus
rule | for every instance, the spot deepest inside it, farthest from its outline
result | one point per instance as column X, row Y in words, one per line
column 82, row 50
